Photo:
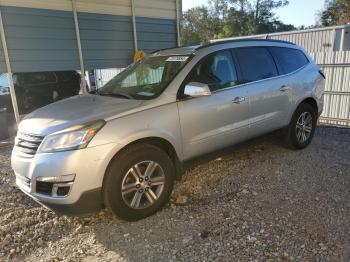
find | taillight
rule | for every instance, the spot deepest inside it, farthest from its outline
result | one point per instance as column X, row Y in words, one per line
column 322, row 74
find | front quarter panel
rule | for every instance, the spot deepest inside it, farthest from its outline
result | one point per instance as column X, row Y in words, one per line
column 160, row 121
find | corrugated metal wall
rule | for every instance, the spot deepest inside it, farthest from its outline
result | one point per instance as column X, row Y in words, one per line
column 330, row 48
column 155, row 34
column 107, row 40
column 40, row 40
column 337, row 96
column 41, row 35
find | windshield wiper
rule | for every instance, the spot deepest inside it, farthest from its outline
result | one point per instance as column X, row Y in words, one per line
column 123, row 95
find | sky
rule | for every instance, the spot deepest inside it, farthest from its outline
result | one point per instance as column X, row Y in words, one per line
column 298, row 12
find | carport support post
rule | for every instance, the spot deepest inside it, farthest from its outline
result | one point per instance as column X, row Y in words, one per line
column 133, row 15
column 81, row 60
column 9, row 70
column 178, row 17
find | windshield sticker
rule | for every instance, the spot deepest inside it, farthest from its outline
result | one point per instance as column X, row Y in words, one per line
column 145, row 94
column 177, row 59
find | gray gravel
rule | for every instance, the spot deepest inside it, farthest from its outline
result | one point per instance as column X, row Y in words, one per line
column 257, row 202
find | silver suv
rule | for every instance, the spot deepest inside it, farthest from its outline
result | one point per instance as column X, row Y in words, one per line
column 124, row 145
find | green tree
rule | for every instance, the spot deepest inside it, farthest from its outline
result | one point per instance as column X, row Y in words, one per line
column 253, row 17
column 336, row 12
column 227, row 18
column 198, row 26
column 264, row 15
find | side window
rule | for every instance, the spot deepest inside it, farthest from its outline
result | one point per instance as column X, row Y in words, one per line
column 289, row 59
column 256, row 63
column 217, row 70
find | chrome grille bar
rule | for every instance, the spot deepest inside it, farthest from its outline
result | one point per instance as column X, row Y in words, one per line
column 28, row 143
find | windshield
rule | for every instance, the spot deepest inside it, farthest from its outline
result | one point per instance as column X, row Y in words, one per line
column 145, row 79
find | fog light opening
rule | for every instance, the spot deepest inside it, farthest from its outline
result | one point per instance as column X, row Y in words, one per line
column 59, row 186
column 61, row 190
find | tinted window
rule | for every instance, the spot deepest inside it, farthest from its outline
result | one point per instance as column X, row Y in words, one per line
column 289, row 59
column 256, row 63
column 216, row 70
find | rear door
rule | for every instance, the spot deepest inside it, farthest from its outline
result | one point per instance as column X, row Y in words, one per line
column 212, row 122
column 270, row 97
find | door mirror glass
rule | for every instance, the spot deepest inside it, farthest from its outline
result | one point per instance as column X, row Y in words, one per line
column 195, row 89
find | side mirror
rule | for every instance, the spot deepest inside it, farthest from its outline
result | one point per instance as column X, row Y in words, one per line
column 195, row 89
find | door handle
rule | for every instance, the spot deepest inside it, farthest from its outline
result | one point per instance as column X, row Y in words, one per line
column 284, row 88
column 238, row 100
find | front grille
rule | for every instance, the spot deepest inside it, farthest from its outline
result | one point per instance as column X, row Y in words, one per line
column 27, row 143
column 44, row 188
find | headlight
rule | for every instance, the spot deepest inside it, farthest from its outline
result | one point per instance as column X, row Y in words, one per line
column 77, row 137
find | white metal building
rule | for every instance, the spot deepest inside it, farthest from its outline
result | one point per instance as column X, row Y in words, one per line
column 330, row 48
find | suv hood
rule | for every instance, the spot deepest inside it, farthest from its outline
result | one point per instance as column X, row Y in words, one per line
column 73, row 111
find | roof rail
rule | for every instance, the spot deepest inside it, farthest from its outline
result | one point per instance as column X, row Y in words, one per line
column 175, row 47
column 159, row 50
column 243, row 40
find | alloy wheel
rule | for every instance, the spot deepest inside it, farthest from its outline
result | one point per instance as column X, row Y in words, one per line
column 304, row 127
column 143, row 184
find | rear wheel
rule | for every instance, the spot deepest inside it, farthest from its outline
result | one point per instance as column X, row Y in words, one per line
column 138, row 182
column 302, row 127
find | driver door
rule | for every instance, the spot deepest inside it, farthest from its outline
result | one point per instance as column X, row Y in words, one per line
column 213, row 122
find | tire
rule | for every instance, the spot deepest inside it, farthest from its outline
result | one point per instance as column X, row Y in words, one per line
column 121, row 189
column 299, row 135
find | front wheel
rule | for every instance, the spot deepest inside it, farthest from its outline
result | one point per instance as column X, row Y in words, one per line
column 138, row 182
column 302, row 127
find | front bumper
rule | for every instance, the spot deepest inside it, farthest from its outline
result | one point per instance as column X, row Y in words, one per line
column 89, row 202
column 88, row 167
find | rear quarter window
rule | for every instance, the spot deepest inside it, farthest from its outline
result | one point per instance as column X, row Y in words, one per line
column 289, row 59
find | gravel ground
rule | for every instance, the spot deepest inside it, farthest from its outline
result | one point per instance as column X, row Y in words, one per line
column 256, row 202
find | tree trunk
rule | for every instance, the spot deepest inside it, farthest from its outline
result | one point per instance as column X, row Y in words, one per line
column 242, row 5
column 257, row 11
